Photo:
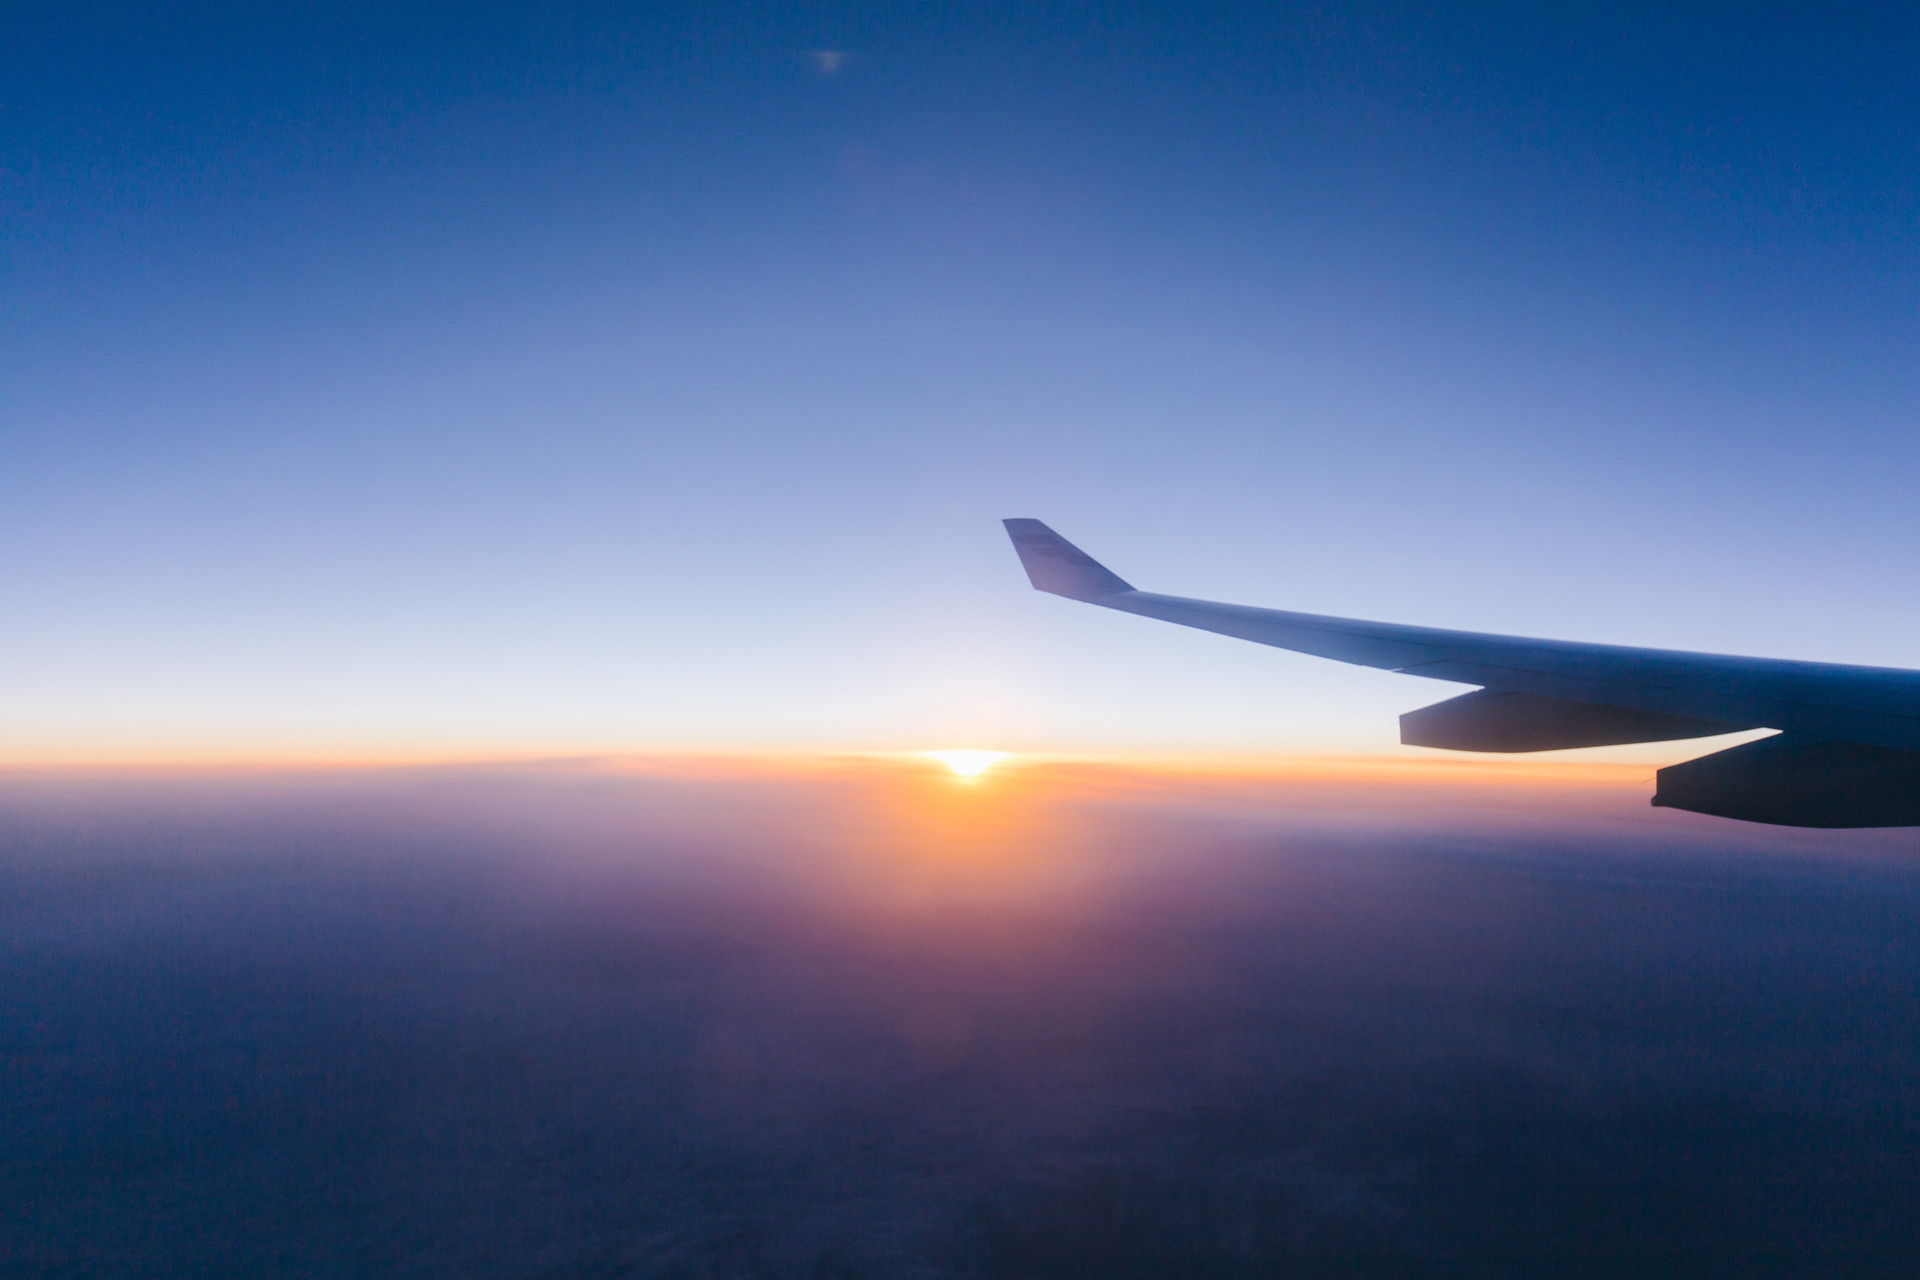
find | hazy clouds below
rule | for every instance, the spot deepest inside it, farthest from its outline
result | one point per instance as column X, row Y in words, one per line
column 860, row 1020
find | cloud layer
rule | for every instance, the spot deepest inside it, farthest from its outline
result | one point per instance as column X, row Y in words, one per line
column 864, row 1020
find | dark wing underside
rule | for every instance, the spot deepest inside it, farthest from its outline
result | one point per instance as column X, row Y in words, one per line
column 1848, row 753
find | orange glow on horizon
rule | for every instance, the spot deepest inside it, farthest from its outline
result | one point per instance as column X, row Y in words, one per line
column 890, row 825
column 1194, row 767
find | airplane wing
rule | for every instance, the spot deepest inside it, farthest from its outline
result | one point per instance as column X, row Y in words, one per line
column 1848, row 754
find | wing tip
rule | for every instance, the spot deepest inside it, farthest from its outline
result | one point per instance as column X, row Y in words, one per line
column 1055, row 565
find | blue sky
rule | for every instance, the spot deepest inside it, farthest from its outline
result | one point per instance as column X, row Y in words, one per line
column 487, row 381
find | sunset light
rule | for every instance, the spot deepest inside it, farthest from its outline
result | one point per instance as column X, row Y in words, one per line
column 969, row 764
column 504, row 498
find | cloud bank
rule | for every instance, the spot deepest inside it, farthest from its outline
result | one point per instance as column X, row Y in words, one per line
column 861, row 1019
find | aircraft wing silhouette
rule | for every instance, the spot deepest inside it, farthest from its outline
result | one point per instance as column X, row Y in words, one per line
column 1848, row 754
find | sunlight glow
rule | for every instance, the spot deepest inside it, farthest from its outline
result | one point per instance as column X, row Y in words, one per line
column 969, row 764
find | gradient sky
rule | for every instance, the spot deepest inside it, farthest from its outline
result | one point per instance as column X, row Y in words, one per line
column 518, row 379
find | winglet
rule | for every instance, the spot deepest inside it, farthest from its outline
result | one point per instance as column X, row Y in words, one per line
column 1054, row 564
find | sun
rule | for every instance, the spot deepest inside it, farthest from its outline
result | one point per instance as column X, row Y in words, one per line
column 969, row 764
